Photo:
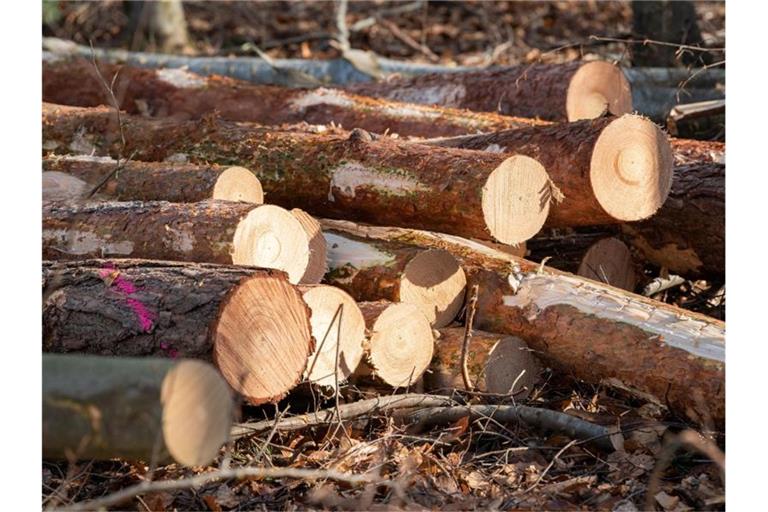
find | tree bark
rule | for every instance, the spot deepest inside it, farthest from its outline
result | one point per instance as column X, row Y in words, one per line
column 478, row 195
column 184, row 95
column 153, row 410
column 162, row 309
column 689, row 151
column 595, row 332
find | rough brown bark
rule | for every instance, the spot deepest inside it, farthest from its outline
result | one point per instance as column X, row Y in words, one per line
column 690, row 151
column 184, row 95
column 163, row 309
column 595, row 332
column 384, row 181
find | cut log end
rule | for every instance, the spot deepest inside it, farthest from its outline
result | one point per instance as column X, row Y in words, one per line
column 59, row 186
column 262, row 339
column 271, row 237
column 336, row 321
column 435, row 282
column 238, row 184
column 631, row 168
column 511, row 368
column 197, row 412
column 317, row 247
column 516, row 200
column 609, row 261
column 595, row 87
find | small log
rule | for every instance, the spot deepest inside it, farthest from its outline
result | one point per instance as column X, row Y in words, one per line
column 400, row 344
column 207, row 232
column 185, row 95
column 497, row 363
column 595, row 332
column 700, row 120
column 433, row 280
column 251, row 322
column 555, row 92
column 316, row 267
column 157, row 181
column 609, row 169
column 609, row 261
column 148, row 409
column 337, row 325
column 473, row 194
column 689, row 151
column 564, row 248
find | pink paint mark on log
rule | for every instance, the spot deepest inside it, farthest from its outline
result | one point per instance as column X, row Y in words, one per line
column 172, row 352
column 112, row 277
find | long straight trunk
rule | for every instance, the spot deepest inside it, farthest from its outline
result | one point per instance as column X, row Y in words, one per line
column 184, row 95
column 251, row 322
column 153, row 410
column 473, row 194
column 593, row 331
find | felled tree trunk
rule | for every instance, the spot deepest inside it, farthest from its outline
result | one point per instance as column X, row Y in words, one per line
column 184, row 95
column 607, row 169
column 251, row 322
column 158, row 181
column 479, row 195
column 207, row 232
column 689, row 151
column 157, row 410
column 556, row 92
column 595, row 332
column 687, row 236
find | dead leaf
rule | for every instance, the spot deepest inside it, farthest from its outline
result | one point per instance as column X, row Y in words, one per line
column 666, row 501
column 211, row 503
column 226, row 496
column 158, row 501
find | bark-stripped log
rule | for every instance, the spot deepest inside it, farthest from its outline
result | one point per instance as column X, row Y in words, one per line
column 556, row 92
column 431, row 279
column 609, row 169
column 185, row 95
column 158, row 181
column 400, row 344
column 251, row 322
column 473, row 194
column 596, row 332
column 687, row 236
column 496, row 363
column 146, row 409
column 206, row 232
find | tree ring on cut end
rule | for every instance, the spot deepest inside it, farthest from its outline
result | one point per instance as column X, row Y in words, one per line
column 435, row 282
column 595, row 87
column 238, row 184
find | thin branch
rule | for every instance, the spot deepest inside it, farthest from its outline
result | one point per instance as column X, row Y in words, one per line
column 471, row 309
column 112, row 97
column 646, row 42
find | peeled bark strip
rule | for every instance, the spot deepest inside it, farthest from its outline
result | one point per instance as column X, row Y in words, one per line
column 609, row 261
column 400, row 344
column 556, row 92
column 497, row 363
column 430, row 279
column 207, row 232
column 473, row 194
column 593, row 331
column 687, row 236
column 138, row 409
column 185, row 95
column 159, row 181
column 337, row 325
column 251, row 322
column 609, row 169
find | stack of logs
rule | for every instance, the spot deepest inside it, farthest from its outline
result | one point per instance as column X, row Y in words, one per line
column 212, row 241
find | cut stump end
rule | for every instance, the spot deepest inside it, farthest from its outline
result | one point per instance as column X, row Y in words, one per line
column 597, row 87
column 435, row 282
column 238, row 184
column 318, row 264
column 609, row 261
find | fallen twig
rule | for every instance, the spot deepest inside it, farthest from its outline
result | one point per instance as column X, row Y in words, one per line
column 471, row 309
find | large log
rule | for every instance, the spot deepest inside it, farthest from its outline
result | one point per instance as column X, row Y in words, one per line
column 156, row 181
column 148, row 409
column 207, row 232
column 555, row 92
column 609, row 169
column 251, row 322
column 593, row 331
column 185, row 95
column 473, row 194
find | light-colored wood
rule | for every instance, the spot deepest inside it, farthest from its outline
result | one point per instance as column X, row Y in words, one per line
column 609, row 261
column 316, row 267
column 59, row 186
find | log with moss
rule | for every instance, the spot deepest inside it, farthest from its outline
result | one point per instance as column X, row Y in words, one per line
column 658, row 352
column 469, row 193
column 146, row 409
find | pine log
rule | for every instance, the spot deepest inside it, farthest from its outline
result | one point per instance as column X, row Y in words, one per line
column 430, row 279
column 689, row 151
column 251, row 322
column 555, row 92
column 609, row 169
column 609, row 261
column 148, row 409
column 687, row 236
column 700, row 120
column 593, row 331
column 185, row 95
column 564, row 248
column 156, row 181
column 478, row 195
column 497, row 363
column 208, row 232
column 399, row 346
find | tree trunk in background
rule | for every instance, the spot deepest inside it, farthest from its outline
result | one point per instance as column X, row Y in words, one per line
column 169, row 26
column 671, row 22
